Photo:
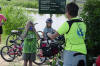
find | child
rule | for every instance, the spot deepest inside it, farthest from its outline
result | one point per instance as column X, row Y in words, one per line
column 48, row 28
column 30, row 41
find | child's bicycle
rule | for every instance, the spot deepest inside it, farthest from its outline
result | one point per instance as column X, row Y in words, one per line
column 15, row 35
column 10, row 53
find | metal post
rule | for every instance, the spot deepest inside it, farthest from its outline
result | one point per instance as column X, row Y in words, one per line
column 51, row 15
column 74, row 1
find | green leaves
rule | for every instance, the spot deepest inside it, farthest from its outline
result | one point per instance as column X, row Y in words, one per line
column 91, row 16
column 16, row 18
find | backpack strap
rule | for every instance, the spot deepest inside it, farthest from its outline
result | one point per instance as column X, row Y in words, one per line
column 71, row 22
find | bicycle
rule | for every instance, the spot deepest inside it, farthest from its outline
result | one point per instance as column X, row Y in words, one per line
column 11, row 52
column 15, row 50
column 15, row 35
column 48, row 52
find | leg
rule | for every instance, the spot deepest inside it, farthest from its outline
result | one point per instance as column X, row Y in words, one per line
column 1, row 31
column 25, row 58
column 68, row 57
column 32, row 58
column 0, row 38
column 25, row 62
column 30, row 63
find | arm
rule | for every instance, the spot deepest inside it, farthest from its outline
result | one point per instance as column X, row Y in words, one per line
column 53, row 36
column 24, row 35
column 3, row 17
column 62, row 30
column 36, row 33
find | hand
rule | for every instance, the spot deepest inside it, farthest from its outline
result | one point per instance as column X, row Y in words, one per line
column 27, row 28
column 49, row 34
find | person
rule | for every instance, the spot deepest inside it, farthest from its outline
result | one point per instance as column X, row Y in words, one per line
column 48, row 28
column 2, row 18
column 30, row 40
column 74, row 31
column 98, row 61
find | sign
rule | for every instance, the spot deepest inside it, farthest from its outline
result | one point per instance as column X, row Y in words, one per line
column 52, row 6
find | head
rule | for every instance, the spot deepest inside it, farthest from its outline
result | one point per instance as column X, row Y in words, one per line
column 29, row 24
column 72, row 10
column 49, row 22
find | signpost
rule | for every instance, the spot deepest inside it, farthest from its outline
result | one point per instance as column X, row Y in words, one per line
column 52, row 6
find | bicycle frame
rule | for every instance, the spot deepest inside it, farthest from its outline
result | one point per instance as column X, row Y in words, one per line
column 13, row 51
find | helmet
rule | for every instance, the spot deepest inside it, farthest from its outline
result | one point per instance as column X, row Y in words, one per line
column 49, row 20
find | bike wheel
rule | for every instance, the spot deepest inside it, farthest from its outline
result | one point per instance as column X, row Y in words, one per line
column 7, row 53
column 13, row 36
column 39, row 58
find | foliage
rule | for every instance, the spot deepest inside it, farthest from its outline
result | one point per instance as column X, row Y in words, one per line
column 22, row 3
column 16, row 18
column 91, row 16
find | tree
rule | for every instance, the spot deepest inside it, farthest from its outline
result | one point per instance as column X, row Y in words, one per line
column 91, row 16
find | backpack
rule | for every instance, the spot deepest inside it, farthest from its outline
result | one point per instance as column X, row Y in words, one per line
column 71, row 22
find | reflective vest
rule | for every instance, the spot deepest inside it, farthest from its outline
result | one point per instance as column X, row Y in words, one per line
column 75, row 36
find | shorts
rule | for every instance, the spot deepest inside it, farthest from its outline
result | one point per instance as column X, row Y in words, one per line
column 71, row 60
column 1, row 31
column 29, row 56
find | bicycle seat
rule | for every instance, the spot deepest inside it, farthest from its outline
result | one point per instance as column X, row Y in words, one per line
column 81, row 63
column 14, row 31
column 12, row 41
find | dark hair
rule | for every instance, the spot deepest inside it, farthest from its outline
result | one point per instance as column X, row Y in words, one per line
column 72, row 9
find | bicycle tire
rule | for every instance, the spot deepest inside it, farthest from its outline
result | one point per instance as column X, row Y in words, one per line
column 39, row 58
column 39, row 63
column 7, row 41
column 2, row 55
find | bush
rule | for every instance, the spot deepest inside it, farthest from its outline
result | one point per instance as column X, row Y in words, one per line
column 23, row 3
column 15, row 18
column 91, row 16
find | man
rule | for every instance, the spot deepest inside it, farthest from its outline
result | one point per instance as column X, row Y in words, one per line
column 48, row 28
column 4, row 19
column 74, row 32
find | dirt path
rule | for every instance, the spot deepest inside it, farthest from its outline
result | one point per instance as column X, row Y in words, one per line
column 17, row 62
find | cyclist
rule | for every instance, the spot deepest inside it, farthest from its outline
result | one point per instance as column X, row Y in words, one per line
column 74, row 32
column 30, row 41
column 48, row 28
column 2, row 17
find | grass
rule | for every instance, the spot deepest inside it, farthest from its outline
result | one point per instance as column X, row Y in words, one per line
column 22, row 3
